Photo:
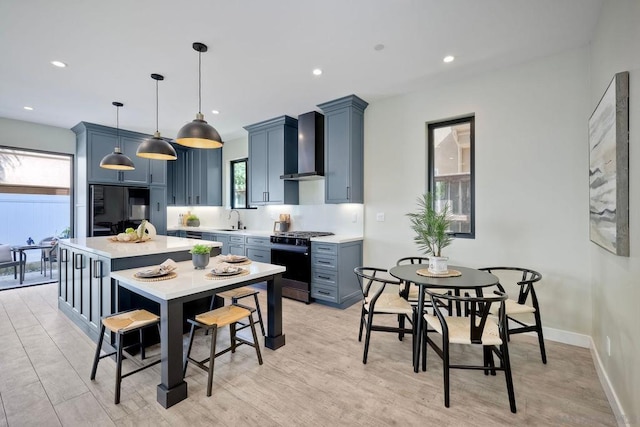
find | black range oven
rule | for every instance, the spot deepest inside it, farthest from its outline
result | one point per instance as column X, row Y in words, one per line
column 293, row 251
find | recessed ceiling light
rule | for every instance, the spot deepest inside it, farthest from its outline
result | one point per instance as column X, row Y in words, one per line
column 28, row 108
column 215, row 111
column 317, row 72
column 59, row 64
column 449, row 58
column 378, row 47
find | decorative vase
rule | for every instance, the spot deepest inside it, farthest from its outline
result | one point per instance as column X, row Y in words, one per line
column 200, row 261
column 438, row 264
column 193, row 223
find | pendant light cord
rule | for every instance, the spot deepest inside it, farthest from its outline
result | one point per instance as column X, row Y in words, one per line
column 200, row 82
column 157, row 106
column 118, row 126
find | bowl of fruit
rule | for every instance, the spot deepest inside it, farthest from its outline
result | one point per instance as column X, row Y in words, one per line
column 145, row 232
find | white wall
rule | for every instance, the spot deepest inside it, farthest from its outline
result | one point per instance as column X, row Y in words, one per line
column 614, row 279
column 19, row 134
column 531, row 166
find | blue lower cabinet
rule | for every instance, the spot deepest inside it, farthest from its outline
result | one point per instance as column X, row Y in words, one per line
column 332, row 280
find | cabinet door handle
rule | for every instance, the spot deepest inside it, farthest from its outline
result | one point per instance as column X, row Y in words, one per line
column 325, row 277
column 77, row 261
column 63, row 255
column 174, row 200
column 158, row 206
column 150, row 177
column 324, row 262
column 97, row 268
column 348, row 192
column 189, row 200
column 324, row 292
column 320, row 248
column 197, row 200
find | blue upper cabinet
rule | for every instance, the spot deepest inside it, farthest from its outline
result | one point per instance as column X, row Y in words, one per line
column 344, row 149
column 93, row 142
column 195, row 178
column 273, row 151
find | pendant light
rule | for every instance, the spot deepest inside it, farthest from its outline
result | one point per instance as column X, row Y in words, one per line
column 155, row 147
column 198, row 133
column 117, row 160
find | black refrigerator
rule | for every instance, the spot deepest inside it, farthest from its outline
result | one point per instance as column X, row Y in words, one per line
column 115, row 208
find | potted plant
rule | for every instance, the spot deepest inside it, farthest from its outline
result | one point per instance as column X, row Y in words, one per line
column 431, row 227
column 200, row 255
column 193, row 221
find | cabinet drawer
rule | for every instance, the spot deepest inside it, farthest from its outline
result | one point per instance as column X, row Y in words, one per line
column 208, row 236
column 324, row 292
column 236, row 239
column 324, row 248
column 235, row 249
column 260, row 255
column 323, row 261
column 324, row 277
column 258, row 241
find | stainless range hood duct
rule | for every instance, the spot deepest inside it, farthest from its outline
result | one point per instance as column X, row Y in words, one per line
column 310, row 148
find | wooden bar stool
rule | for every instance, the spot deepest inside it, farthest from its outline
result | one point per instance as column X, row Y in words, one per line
column 236, row 294
column 212, row 321
column 122, row 324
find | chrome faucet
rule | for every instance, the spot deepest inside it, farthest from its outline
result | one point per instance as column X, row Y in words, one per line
column 238, row 223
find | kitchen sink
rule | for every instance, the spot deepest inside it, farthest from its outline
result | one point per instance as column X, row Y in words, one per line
column 227, row 229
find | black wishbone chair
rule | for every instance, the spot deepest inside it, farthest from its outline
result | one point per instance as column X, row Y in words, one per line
column 521, row 306
column 479, row 327
column 377, row 302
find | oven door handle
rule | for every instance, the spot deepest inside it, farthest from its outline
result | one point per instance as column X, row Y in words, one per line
column 289, row 248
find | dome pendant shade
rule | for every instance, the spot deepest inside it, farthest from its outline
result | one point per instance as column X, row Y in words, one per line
column 117, row 161
column 199, row 134
column 156, row 148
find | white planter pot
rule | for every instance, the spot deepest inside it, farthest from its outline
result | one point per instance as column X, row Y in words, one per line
column 438, row 264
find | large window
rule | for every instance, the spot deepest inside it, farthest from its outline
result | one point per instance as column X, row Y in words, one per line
column 239, row 184
column 451, row 174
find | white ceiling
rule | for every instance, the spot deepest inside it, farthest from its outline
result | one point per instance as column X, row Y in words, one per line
column 261, row 53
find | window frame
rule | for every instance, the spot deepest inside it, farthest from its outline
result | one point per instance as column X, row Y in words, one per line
column 232, row 192
column 470, row 118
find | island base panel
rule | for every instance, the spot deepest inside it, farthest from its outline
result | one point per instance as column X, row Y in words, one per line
column 169, row 397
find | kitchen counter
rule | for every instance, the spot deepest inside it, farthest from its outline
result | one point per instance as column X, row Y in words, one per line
column 158, row 245
column 336, row 238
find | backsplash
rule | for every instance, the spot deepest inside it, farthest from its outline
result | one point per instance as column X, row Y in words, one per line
column 343, row 219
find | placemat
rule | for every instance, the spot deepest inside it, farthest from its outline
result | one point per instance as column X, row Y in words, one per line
column 156, row 279
column 245, row 262
column 449, row 273
column 210, row 276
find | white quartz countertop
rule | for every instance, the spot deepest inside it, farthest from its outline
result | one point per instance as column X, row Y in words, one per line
column 214, row 230
column 158, row 245
column 191, row 281
column 337, row 238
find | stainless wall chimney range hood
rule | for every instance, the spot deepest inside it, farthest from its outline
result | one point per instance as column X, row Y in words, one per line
column 310, row 148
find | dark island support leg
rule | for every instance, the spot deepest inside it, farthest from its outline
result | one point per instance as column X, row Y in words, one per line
column 274, row 338
column 172, row 388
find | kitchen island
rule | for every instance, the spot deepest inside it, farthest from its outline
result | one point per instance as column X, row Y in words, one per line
column 85, row 291
column 190, row 285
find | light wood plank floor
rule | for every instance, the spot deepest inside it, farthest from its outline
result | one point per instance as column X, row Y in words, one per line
column 317, row 379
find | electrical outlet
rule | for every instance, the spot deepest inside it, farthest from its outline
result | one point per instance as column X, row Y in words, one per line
column 608, row 346
column 354, row 218
column 380, row 217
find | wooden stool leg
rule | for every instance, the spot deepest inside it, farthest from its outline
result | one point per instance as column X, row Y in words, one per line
column 256, row 345
column 96, row 359
column 212, row 358
column 119, row 344
column 186, row 358
column 255, row 297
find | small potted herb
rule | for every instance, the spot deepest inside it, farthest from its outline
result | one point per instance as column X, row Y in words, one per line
column 432, row 231
column 200, row 255
column 193, row 221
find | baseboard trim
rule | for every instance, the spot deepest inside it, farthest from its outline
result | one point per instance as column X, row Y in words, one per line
column 566, row 337
column 609, row 391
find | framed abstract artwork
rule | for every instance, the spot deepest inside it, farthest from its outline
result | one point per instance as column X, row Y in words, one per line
column 609, row 168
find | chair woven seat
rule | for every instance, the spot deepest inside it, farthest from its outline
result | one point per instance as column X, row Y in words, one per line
column 390, row 303
column 223, row 316
column 414, row 292
column 238, row 293
column 460, row 331
column 512, row 307
column 129, row 320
